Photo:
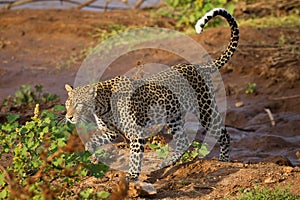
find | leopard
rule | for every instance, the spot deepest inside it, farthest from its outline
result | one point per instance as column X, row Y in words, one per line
column 124, row 107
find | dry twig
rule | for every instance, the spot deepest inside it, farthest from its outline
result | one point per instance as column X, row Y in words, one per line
column 17, row 3
column 270, row 116
column 285, row 97
column 86, row 3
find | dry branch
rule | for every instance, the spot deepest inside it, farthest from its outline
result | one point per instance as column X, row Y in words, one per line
column 138, row 4
column 285, row 97
column 85, row 4
column 17, row 3
column 11, row 4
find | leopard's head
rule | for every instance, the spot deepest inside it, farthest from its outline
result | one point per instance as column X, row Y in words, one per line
column 80, row 103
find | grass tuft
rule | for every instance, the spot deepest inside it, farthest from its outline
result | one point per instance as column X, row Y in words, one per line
column 268, row 194
column 271, row 21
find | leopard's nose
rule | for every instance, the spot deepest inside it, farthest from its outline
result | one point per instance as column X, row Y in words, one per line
column 70, row 119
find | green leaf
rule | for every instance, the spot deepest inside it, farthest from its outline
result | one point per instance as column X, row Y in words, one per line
column 59, row 108
column 4, row 194
column 2, row 179
column 38, row 88
column 162, row 152
column 6, row 150
column 231, row 8
column 5, row 101
column 100, row 153
column 175, row 3
column 154, row 146
column 103, row 194
column 85, row 157
column 47, row 120
column 203, row 151
column 30, row 125
column 83, row 172
column 194, row 154
column 12, row 117
column 50, row 97
column 192, row 18
column 46, row 129
column 30, row 144
column 61, row 142
column 58, row 162
column 97, row 170
column 53, row 146
column 7, row 127
column 86, row 193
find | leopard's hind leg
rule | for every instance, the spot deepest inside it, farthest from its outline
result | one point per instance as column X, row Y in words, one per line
column 181, row 140
column 224, row 140
column 211, row 120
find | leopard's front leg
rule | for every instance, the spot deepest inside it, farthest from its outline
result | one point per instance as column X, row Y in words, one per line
column 106, row 136
column 135, row 159
column 97, row 141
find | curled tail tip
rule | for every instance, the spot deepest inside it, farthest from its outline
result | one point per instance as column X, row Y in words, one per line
column 202, row 21
column 198, row 28
column 227, row 54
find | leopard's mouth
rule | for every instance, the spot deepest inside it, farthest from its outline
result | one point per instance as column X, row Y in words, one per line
column 71, row 119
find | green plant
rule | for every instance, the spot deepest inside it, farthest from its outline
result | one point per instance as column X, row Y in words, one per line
column 30, row 96
column 199, row 150
column 162, row 151
column 268, row 194
column 90, row 194
column 187, row 12
column 102, row 33
column 272, row 21
column 251, row 88
column 281, row 40
column 46, row 158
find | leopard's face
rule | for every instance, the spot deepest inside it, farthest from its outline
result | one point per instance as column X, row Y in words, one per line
column 79, row 104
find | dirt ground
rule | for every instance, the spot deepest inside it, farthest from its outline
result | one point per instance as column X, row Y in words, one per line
column 46, row 47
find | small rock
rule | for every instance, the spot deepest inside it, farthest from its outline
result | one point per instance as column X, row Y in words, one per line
column 141, row 189
column 225, row 182
column 239, row 104
column 270, row 180
column 121, row 189
column 255, row 181
column 287, row 169
column 2, row 45
column 247, row 190
column 279, row 160
column 281, row 179
column 296, row 169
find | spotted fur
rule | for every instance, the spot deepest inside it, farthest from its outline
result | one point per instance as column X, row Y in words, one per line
column 122, row 106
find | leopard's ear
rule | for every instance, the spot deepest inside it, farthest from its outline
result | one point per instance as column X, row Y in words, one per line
column 68, row 87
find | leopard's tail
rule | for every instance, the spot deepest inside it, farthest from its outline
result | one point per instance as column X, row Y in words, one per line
column 232, row 46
